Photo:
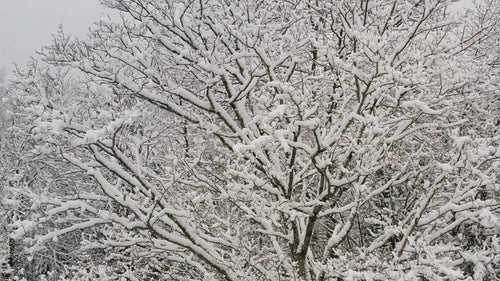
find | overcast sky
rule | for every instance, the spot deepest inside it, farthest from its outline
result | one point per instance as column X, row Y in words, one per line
column 27, row 25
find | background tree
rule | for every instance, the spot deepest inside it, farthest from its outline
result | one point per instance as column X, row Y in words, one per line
column 31, row 173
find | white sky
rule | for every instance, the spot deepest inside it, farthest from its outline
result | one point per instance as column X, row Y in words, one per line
column 27, row 25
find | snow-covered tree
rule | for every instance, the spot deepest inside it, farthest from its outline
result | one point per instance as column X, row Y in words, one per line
column 276, row 140
column 30, row 173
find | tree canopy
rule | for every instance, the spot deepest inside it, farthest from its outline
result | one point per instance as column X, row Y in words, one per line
column 258, row 140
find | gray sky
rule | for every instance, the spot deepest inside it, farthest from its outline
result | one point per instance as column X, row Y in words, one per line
column 27, row 25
